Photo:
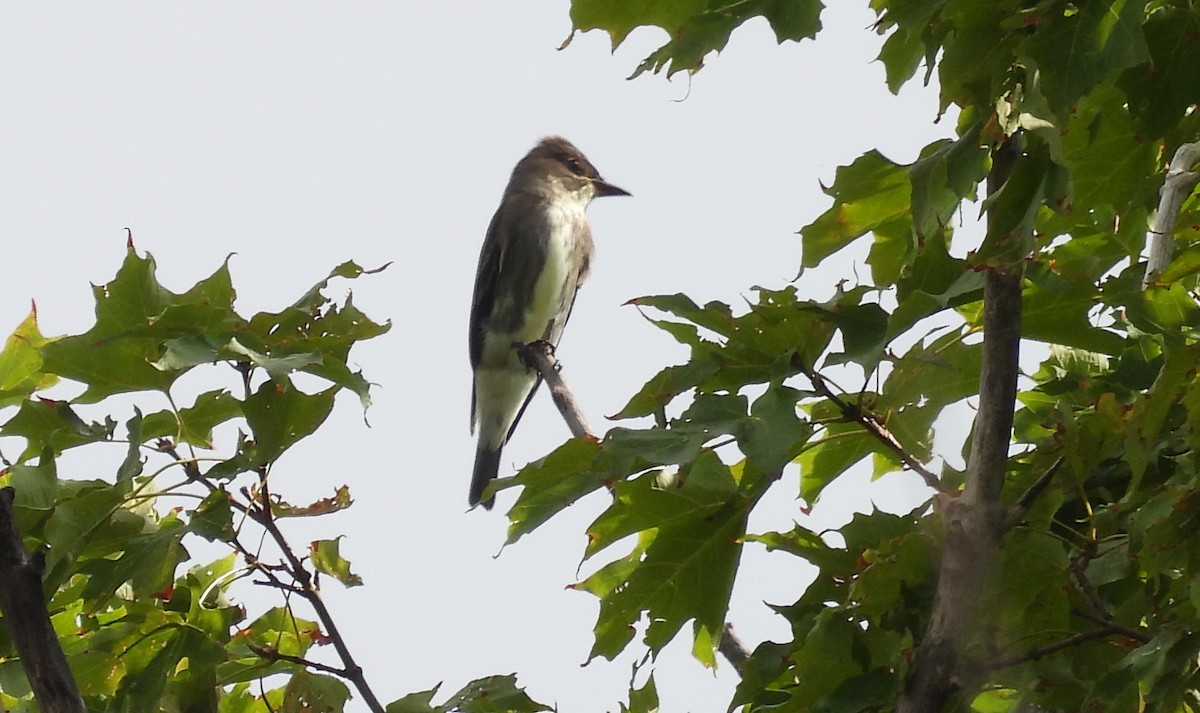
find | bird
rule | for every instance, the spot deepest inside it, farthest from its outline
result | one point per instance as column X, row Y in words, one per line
column 536, row 254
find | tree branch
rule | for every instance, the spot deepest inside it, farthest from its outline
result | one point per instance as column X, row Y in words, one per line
column 1181, row 181
column 261, row 513
column 732, row 648
column 1017, row 510
column 870, row 423
column 1038, row 652
column 23, row 605
column 270, row 654
column 540, row 356
column 973, row 521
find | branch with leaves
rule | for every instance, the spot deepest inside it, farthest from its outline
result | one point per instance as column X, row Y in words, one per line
column 150, row 634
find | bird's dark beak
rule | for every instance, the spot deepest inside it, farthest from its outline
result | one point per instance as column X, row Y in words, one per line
column 604, row 188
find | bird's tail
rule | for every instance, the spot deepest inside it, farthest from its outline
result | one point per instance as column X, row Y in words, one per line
column 487, row 467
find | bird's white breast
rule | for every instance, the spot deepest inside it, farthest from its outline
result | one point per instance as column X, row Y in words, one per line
column 555, row 287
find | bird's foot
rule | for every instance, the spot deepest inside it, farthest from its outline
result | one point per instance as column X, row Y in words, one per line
column 526, row 352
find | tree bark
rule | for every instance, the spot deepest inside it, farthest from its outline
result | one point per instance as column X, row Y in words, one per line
column 1180, row 182
column 973, row 521
column 24, row 608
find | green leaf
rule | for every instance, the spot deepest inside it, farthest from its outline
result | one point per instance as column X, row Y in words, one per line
column 870, row 691
column 213, row 518
column 143, row 687
column 802, row 542
column 910, row 41
column 1057, row 311
column 714, row 316
column 55, row 425
column 314, row 693
column 666, row 385
column 935, row 281
column 88, row 519
column 279, row 415
column 940, row 373
column 194, row 424
column 278, row 367
column 1036, row 180
column 276, row 630
column 491, row 695
column 35, row 486
column 655, row 500
column 134, row 316
column 131, row 467
column 839, row 445
column 695, row 27
column 1110, row 165
column 686, row 570
column 643, row 699
column 147, row 564
column 314, row 335
column 869, row 193
column 552, row 483
column 327, row 558
column 1161, row 93
column 21, row 363
column 863, row 326
column 824, row 660
column 1077, row 47
column 773, row 434
column 947, row 172
column 419, row 702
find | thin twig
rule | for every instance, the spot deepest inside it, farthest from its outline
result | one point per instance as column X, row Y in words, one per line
column 871, row 423
column 272, row 654
column 261, row 514
column 1017, row 511
column 1038, row 652
column 1138, row 635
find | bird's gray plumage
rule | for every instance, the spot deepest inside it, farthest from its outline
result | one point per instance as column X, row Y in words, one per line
column 536, row 254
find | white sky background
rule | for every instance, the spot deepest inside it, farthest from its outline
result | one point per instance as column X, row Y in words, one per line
column 303, row 135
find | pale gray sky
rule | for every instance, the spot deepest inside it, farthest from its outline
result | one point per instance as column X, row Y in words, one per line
column 302, row 135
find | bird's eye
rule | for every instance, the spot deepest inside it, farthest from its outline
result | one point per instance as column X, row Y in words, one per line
column 574, row 165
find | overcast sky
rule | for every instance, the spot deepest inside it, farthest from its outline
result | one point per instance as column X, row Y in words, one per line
column 302, row 135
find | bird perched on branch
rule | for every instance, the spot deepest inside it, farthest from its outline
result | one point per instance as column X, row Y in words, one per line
column 534, row 258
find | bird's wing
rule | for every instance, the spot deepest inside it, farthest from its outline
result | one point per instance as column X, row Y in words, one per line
column 484, row 299
column 486, row 277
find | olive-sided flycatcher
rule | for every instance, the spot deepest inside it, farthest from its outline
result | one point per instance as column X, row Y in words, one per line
column 534, row 258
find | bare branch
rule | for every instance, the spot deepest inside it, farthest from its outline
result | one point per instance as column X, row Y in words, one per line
column 732, row 648
column 1181, row 180
column 271, row 654
column 24, row 608
column 540, row 356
